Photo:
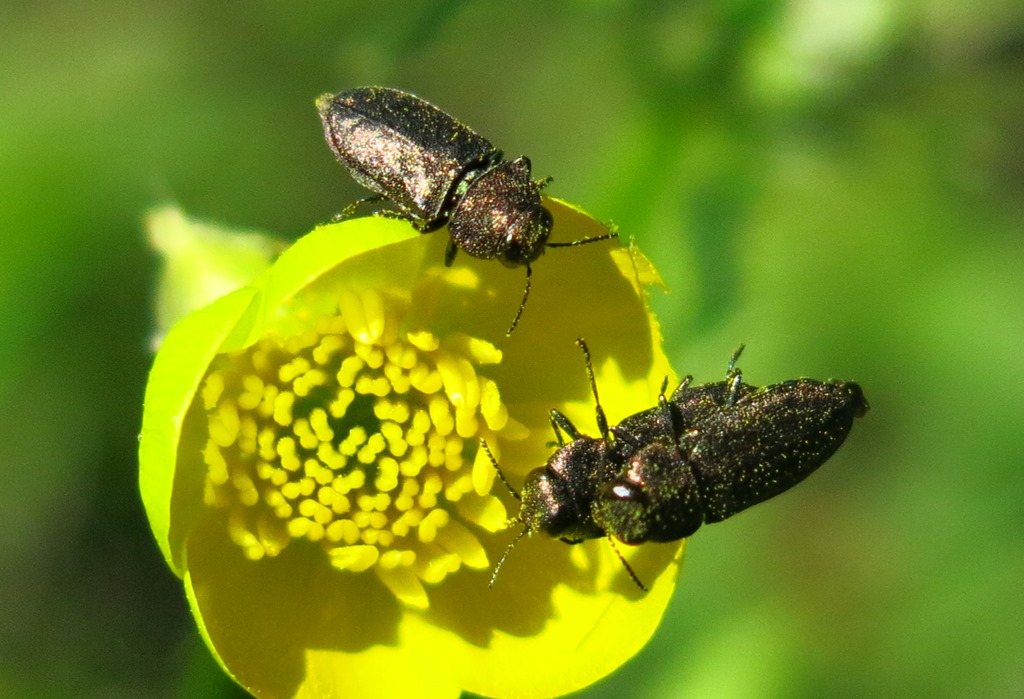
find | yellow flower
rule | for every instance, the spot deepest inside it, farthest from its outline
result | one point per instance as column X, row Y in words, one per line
column 310, row 466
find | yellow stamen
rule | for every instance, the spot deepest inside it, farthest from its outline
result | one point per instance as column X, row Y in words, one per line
column 362, row 439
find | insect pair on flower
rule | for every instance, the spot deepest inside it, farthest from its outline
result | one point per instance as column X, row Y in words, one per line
column 699, row 456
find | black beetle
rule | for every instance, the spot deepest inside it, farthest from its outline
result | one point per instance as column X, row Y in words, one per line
column 699, row 456
column 751, row 449
column 438, row 171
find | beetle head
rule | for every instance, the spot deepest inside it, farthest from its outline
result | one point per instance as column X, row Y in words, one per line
column 500, row 216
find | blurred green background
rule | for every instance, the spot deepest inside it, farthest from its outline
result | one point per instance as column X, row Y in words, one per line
column 839, row 184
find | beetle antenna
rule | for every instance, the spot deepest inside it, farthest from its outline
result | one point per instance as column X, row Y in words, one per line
column 602, row 421
column 513, row 520
column 584, row 241
column 494, row 462
column 629, row 569
column 529, row 269
column 508, row 550
column 522, row 304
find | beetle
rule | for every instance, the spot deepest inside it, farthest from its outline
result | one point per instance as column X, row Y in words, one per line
column 752, row 448
column 700, row 456
column 437, row 171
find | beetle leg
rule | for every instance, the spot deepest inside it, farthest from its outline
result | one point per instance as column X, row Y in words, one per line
column 602, row 421
column 522, row 304
column 350, row 210
column 560, row 423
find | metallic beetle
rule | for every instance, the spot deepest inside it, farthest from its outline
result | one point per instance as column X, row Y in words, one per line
column 437, row 171
column 700, row 456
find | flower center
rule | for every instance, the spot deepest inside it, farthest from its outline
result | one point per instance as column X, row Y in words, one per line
column 362, row 438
